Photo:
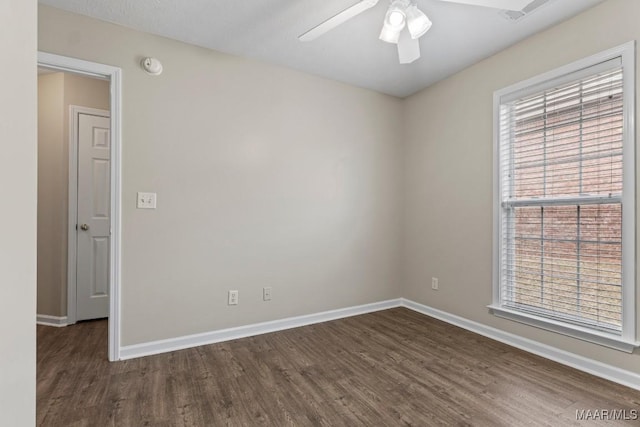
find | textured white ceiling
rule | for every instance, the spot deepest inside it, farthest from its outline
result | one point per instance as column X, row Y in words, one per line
column 267, row 30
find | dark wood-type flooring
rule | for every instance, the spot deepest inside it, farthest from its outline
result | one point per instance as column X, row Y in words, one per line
column 389, row 368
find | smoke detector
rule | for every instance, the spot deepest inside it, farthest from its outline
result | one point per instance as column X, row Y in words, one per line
column 151, row 66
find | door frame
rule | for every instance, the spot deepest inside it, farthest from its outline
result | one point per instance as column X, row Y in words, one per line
column 72, row 230
column 114, row 76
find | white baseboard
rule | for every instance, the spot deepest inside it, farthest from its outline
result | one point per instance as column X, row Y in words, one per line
column 594, row 367
column 603, row 370
column 57, row 321
column 179, row 343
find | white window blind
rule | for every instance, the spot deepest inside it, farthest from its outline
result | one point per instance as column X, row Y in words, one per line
column 561, row 183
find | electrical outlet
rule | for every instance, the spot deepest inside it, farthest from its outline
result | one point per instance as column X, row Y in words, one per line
column 266, row 293
column 434, row 283
column 233, row 298
column 146, row 200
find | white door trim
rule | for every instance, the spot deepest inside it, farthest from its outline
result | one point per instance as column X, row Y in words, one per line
column 72, row 280
column 114, row 75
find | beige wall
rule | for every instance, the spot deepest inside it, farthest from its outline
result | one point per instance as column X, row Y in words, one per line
column 56, row 92
column 18, row 168
column 51, row 188
column 448, row 179
column 265, row 177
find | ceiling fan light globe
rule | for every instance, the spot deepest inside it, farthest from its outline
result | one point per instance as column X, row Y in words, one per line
column 417, row 22
column 394, row 22
column 396, row 18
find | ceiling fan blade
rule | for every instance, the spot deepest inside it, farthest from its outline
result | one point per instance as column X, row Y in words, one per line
column 338, row 19
column 408, row 48
column 496, row 4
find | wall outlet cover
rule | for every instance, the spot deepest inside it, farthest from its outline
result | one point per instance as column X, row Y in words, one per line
column 233, row 298
column 146, row 200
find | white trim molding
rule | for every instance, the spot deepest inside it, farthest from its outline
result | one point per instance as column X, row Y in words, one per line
column 573, row 331
column 47, row 320
column 114, row 75
column 180, row 343
column 581, row 363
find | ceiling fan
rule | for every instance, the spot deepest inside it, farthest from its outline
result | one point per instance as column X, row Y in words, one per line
column 403, row 23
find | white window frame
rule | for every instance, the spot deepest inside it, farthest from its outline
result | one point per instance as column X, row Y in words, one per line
column 626, row 341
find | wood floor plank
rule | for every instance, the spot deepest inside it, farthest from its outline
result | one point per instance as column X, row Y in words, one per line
column 391, row 368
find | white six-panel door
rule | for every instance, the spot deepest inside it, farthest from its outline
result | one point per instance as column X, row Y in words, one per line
column 93, row 234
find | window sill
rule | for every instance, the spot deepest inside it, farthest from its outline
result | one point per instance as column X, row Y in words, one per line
column 608, row 340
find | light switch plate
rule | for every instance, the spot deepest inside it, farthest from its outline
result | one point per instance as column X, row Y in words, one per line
column 146, row 200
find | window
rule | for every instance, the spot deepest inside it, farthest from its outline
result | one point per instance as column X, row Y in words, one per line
column 565, row 225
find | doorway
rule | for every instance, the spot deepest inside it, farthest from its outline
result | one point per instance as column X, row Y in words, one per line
column 93, row 255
